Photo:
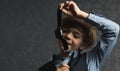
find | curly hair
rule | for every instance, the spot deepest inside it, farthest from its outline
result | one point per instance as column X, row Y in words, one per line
column 88, row 31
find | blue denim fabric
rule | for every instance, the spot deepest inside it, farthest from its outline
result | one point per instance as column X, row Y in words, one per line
column 110, row 30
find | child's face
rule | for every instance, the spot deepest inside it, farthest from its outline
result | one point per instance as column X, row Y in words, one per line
column 73, row 37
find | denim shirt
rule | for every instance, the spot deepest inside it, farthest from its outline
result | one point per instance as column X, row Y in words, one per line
column 110, row 30
column 96, row 57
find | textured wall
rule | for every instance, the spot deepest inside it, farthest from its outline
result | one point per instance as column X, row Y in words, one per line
column 27, row 38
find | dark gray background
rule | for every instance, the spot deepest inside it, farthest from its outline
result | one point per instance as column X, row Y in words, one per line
column 27, row 38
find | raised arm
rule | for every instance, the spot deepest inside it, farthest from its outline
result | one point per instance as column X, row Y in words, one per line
column 108, row 38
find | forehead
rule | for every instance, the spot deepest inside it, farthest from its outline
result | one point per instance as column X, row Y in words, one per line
column 75, row 30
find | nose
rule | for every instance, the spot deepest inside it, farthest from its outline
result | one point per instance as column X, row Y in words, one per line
column 69, row 38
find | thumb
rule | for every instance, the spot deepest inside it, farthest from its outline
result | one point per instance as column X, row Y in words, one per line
column 65, row 65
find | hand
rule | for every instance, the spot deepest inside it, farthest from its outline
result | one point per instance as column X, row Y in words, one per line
column 70, row 8
column 63, row 67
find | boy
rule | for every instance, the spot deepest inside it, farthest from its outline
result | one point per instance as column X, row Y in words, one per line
column 80, row 34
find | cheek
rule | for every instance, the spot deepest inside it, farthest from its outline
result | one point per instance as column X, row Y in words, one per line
column 78, row 43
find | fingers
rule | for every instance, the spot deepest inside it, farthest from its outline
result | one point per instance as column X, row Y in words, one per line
column 63, row 67
column 60, row 6
column 68, row 3
column 69, row 8
column 65, row 5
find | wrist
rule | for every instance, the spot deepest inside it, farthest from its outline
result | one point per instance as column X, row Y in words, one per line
column 83, row 14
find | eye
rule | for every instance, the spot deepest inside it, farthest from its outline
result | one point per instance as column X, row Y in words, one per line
column 77, row 35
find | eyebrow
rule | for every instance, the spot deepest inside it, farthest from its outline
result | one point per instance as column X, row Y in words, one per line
column 76, row 31
column 73, row 30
